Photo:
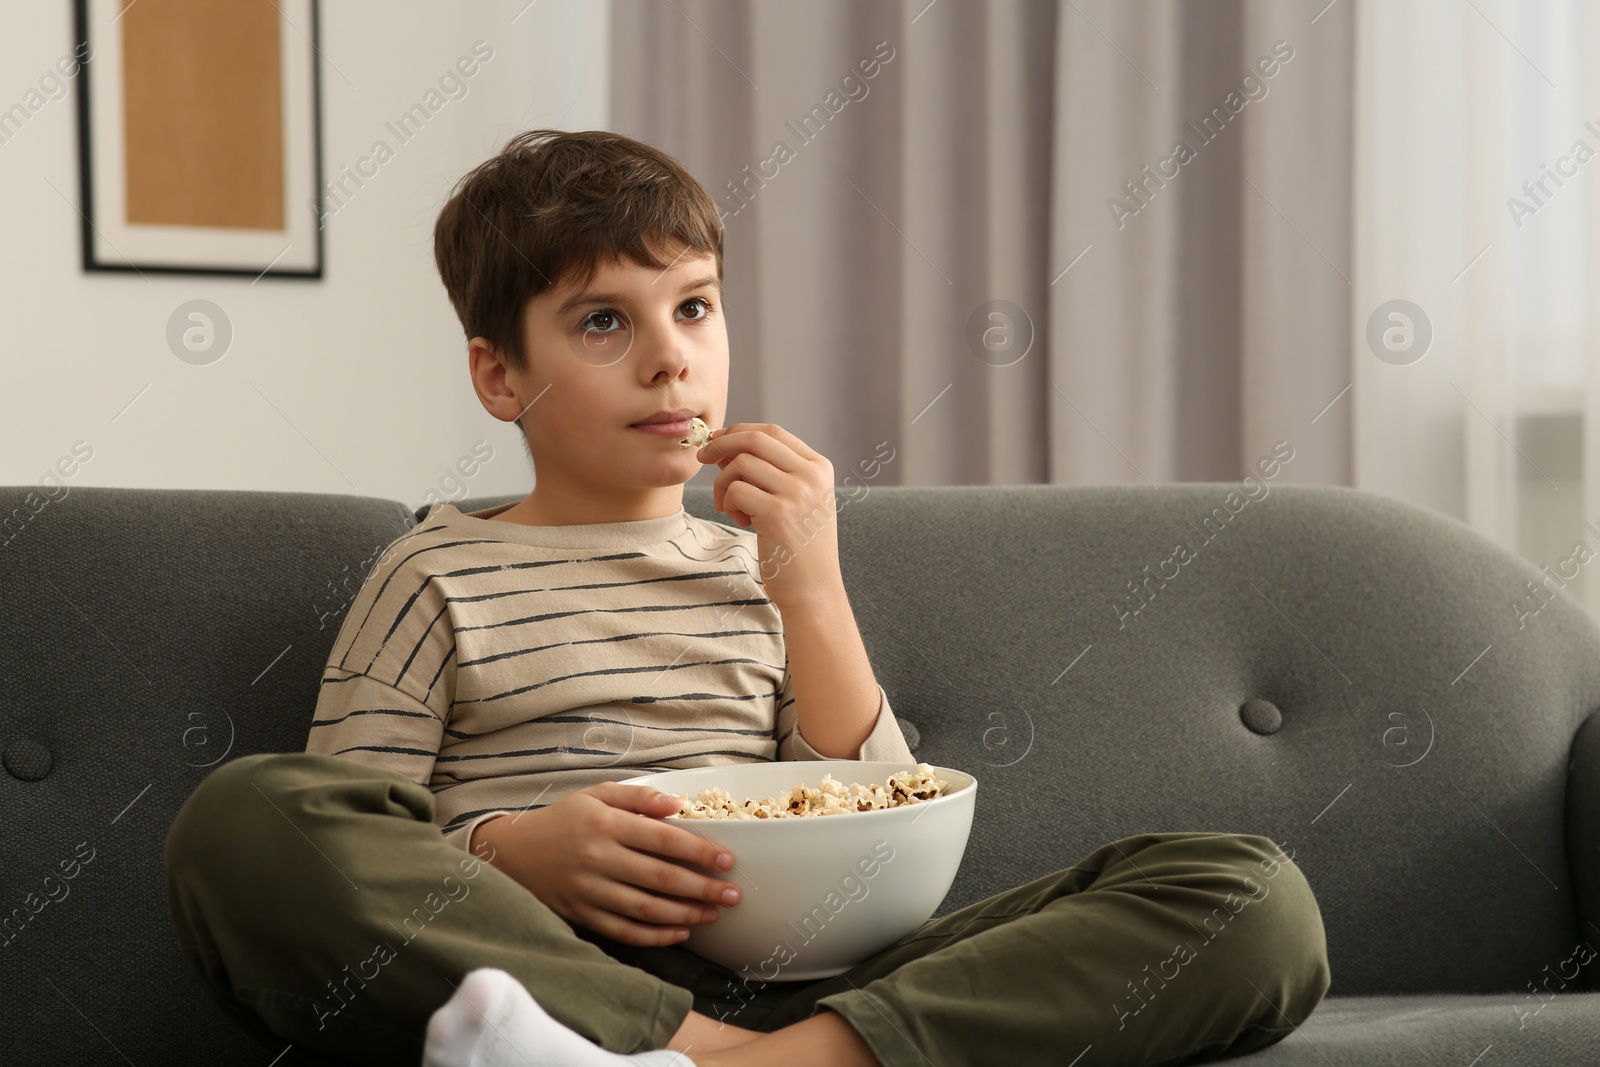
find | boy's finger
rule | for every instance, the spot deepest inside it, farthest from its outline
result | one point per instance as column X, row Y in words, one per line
column 755, row 470
column 631, row 896
column 778, row 433
column 681, row 842
column 773, row 444
column 620, row 929
column 645, row 874
column 643, row 799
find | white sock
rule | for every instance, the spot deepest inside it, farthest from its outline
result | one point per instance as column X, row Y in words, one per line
column 492, row 1021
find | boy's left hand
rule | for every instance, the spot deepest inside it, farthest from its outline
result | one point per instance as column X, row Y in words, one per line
column 783, row 488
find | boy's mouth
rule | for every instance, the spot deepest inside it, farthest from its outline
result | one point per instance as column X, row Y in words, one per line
column 666, row 423
column 664, row 429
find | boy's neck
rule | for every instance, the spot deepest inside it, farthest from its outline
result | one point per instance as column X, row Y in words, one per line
column 555, row 509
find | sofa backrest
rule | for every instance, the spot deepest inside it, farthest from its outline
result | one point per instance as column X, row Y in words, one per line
column 1366, row 682
column 1348, row 675
column 147, row 636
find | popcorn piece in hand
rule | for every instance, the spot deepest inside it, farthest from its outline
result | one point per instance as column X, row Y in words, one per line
column 699, row 434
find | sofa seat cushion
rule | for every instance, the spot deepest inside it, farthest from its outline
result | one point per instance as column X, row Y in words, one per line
column 1443, row 1031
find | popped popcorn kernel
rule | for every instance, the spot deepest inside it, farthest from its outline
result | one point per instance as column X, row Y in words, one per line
column 699, row 434
column 828, row 797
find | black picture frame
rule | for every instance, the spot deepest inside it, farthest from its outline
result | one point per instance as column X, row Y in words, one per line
column 309, row 264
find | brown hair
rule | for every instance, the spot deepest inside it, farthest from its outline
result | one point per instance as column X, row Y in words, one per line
column 555, row 203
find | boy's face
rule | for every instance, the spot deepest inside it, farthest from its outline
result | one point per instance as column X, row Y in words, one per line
column 634, row 342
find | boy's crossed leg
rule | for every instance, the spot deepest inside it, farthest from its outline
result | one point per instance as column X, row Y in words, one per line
column 1156, row 949
column 303, row 887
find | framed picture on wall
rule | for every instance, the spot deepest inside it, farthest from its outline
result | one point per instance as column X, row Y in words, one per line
column 199, row 137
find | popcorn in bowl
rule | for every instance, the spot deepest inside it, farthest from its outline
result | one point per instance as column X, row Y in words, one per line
column 787, row 874
column 829, row 797
column 699, row 434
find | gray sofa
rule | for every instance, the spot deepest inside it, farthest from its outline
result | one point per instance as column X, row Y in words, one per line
column 1348, row 675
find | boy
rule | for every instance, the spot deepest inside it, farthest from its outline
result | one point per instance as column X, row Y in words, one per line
column 501, row 671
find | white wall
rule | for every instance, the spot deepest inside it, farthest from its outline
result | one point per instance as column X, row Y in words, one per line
column 356, row 383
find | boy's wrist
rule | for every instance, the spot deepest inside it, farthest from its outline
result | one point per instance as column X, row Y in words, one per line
column 822, row 598
column 504, row 845
column 483, row 837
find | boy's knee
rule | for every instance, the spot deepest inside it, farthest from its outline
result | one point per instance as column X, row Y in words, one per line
column 1285, row 944
column 210, row 819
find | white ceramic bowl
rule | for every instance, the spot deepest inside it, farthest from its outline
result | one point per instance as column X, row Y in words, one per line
column 819, row 894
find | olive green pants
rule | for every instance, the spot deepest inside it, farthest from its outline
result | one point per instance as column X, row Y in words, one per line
column 322, row 907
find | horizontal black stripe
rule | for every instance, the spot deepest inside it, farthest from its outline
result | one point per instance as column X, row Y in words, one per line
column 648, row 726
column 547, row 616
column 490, row 568
column 468, row 816
column 611, row 639
column 691, row 576
column 718, row 752
column 756, row 757
column 613, row 670
column 374, row 711
column 618, row 722
column 698, row 696
column 526, row 752
column 540, row 772
column 387, row 748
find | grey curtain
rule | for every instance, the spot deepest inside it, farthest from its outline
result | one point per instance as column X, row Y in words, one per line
column 934, row 256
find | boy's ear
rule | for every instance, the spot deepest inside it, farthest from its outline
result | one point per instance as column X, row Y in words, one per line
column 487, row 365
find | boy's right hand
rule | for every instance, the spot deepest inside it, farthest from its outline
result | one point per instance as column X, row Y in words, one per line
column 594, row 858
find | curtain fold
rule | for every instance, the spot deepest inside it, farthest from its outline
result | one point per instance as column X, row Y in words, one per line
column 1476, row 127
column 934, row 256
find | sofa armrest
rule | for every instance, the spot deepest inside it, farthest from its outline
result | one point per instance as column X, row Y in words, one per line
column 1583, row 842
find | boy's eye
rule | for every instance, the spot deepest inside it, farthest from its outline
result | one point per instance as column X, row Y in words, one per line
column 607, row 317
column 698, row 300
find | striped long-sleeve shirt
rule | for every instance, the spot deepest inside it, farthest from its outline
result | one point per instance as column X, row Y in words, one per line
column 504, row 665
